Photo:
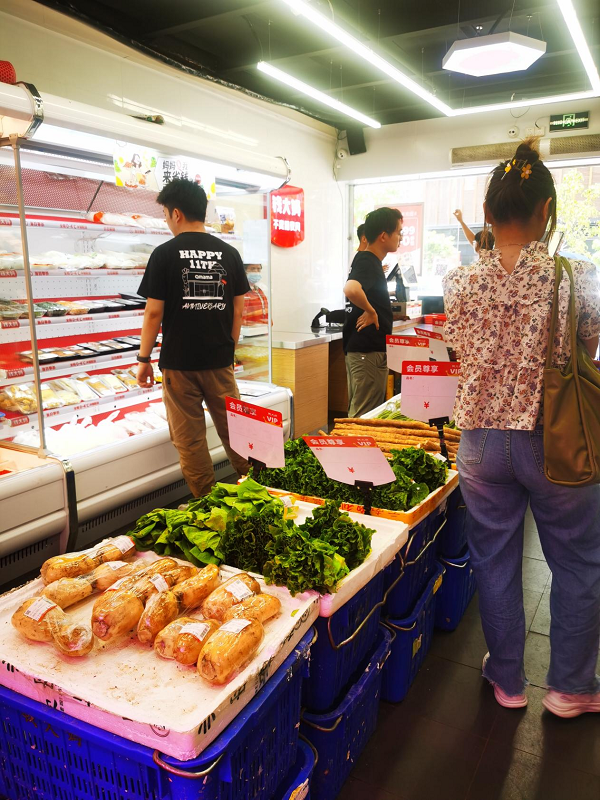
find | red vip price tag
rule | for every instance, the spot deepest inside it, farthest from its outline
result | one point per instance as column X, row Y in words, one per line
column 255, row 432
column 348, row 459
column 404, row 348
column 429, row 334
column 429, row 389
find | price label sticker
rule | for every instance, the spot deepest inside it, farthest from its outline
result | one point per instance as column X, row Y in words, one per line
column 239, row 590
column 39, row 608
column 404, row 348
column 197, row 629
column 123, row 543
column 159, row 583
column 115, row 565
column 348, row 459
column 255, row 432
column 429, row 389
column 235, row 625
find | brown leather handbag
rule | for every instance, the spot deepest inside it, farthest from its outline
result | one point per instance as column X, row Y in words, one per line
column 571, row 404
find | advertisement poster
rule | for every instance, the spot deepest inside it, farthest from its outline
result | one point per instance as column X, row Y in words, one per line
column 139, row 168
column 410, row 253
column 287, row 216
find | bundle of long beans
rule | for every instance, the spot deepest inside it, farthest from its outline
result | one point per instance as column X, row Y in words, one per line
column 396, row 434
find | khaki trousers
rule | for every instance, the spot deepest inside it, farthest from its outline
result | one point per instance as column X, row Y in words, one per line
column 367, row 381
column 183, row 393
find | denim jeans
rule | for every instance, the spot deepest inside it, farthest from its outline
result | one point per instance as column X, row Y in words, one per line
column 501, row 471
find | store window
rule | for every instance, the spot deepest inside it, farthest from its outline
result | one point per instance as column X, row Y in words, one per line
column 444, row 245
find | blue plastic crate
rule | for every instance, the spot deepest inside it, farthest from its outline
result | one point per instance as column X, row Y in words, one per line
column 333, row 664
column 297, row 783
column 415, row 564
column 456, row 593
column 47, row 755
column 413, row 639
column 453, row 538
column 341, row 735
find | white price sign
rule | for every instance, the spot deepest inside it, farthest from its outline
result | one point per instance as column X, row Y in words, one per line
column 349, row 459
column 405, row 348
column 429, row 389
column 437, row 346
column 255, row 432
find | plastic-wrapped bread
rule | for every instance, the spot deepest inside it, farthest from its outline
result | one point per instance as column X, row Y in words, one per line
column 166, row 606
column 192, row 638
column 73, row 564
column 229, row 649
column 66, row 592
column 120, row 607
column 41, row 620
column 234, row 590
column 260, row 606
column 164, row 644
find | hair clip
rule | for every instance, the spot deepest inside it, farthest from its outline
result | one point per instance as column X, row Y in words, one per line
column 526, row 172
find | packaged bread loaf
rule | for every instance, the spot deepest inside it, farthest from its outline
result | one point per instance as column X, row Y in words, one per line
column 260, row 606
column 73, row 564
column 192, row 638
column 66, row 592
column 229, row 649
column 164, row 607
column 234, row 590
column 119, row 609
column 41, row 620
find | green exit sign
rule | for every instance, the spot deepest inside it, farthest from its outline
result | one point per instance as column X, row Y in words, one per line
column 569, row 122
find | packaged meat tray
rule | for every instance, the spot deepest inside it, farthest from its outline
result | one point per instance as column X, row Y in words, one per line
column 125, row 688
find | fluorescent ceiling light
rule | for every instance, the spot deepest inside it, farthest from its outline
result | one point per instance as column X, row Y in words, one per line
column 568, row 12
column 536, row 101
column 300, row 86
column 493, row 55
column 356, row 46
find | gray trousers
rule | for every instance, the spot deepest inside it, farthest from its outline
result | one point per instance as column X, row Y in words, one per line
column 367, row 380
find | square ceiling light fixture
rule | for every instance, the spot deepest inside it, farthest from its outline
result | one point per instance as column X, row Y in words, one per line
column 494, row 54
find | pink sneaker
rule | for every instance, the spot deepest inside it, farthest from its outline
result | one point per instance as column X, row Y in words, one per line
column 571, row 705
column 503, row 699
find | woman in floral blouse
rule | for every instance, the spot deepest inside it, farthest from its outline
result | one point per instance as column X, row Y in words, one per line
column 498, row 312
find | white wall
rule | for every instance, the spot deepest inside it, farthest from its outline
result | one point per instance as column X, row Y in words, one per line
column 64, row 57
column 417, row 147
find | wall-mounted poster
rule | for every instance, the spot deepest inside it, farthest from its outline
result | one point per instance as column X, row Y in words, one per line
column 287, row 216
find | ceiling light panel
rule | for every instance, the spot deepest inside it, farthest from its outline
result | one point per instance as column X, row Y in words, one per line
column 493, row 55
column 572, row 22
column 310, row 91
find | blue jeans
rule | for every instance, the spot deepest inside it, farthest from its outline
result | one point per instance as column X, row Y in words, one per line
column 501, row 471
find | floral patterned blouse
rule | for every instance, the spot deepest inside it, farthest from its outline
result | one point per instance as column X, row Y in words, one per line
column 499, row 325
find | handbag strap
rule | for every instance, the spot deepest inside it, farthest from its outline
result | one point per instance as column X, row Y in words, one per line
column 561, row 263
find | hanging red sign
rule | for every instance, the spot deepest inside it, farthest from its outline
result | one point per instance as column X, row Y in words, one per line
column 287, row 216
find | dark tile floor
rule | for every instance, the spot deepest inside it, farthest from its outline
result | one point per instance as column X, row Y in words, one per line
column 450, row 740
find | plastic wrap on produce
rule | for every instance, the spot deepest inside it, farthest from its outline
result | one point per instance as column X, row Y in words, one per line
column 124, row 687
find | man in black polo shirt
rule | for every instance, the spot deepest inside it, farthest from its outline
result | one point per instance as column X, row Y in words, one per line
column 369, row 319
column 195, row 286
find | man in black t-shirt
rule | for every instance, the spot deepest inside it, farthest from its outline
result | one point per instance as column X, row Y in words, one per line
column 195, row 286
column 369, row 319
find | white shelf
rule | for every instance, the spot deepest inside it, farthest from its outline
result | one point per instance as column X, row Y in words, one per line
column 17, row 330
column 59, row 416
column 62, row 368
column 55, row 283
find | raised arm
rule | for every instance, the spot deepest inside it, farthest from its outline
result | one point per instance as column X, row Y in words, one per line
column 468, row 232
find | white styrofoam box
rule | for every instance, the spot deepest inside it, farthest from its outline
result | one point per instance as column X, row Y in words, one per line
column 125, row 688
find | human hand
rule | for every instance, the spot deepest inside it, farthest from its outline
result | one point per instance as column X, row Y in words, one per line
column 367, row 318
column 145, row 375
column 458, row 214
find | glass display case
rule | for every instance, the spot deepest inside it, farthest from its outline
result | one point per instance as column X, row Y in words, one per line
column 78, row 222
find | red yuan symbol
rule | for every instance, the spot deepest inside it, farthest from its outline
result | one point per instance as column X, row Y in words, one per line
column 426, row 405
column 250, row 446
column 350, row 469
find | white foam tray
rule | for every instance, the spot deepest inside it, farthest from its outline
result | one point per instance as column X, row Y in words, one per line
column 125, row 688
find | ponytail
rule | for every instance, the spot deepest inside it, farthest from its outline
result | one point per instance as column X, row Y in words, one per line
column 518, row 186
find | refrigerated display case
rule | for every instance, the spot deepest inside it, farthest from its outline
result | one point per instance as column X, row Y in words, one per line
column 76, row 232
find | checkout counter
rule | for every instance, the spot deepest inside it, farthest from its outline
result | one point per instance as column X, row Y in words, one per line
column 312, row 365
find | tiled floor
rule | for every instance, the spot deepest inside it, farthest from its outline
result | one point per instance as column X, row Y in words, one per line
column 450, row 740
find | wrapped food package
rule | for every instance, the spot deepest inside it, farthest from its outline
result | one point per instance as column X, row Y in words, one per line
column 41, row 620
column 71, row 565
column 229, row 649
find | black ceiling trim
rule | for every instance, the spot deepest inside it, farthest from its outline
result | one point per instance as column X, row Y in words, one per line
column 70, row 10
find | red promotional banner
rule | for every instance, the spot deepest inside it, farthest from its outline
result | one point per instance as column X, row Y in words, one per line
column 287, row 216
column 431, row 368
column 429, row 334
